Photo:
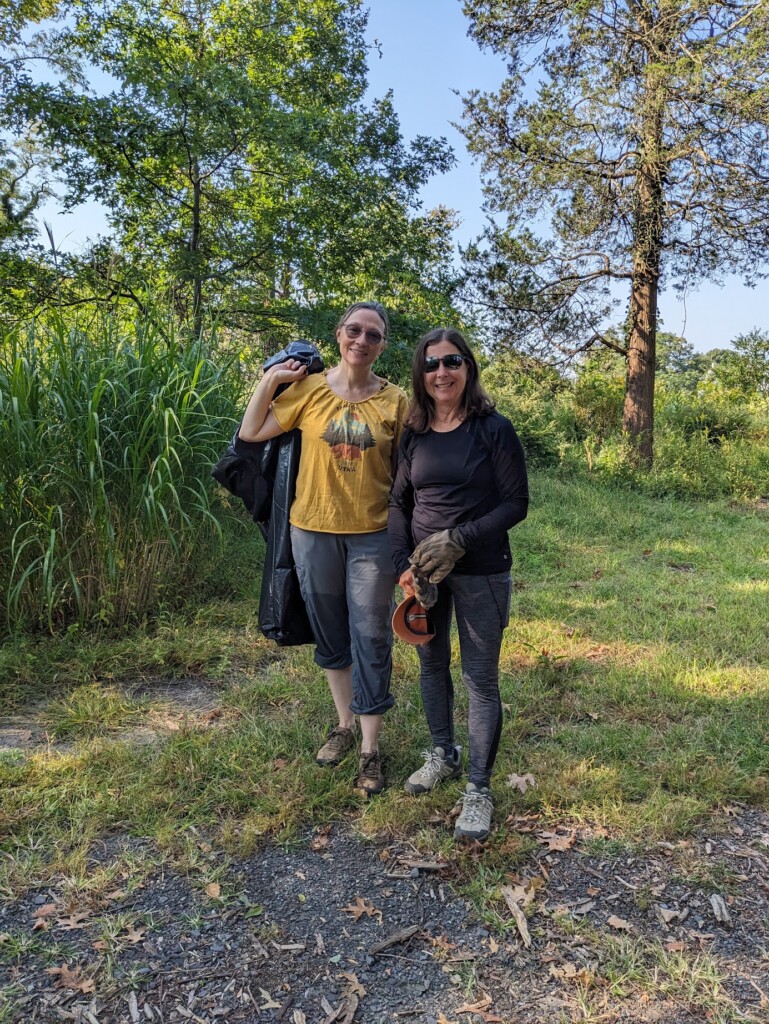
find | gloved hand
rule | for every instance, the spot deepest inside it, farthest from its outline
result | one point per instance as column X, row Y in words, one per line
column 424, row 591
column 435, row 556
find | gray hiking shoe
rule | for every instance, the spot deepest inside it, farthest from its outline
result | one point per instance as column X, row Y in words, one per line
column 339, row 742
column 474, row 821
column 436, row 768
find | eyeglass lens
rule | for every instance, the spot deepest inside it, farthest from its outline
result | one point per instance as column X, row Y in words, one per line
column 355, row 331
column 451, row 362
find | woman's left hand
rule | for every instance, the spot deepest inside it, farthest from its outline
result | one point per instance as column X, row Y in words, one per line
column 406, row 583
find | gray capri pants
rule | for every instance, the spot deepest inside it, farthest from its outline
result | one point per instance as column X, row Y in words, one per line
column 347, row 582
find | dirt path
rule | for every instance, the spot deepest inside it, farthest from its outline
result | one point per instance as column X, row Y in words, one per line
column 336, row 930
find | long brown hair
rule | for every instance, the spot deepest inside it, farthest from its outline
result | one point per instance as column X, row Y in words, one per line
column 475, row 401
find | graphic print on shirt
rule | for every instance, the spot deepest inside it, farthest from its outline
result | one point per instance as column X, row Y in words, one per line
column 348, row 437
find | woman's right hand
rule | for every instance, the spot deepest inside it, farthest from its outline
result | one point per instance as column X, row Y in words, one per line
column 286, row 373
column 406, row 583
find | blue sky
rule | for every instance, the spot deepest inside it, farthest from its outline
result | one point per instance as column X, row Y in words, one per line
column 425, row 56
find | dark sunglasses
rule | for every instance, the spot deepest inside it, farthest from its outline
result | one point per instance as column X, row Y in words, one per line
column 355, row 331
column 452, row 362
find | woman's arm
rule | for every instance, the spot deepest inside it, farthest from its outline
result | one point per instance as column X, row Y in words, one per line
column 400, row 512
column 259, row 423
column 509, row 467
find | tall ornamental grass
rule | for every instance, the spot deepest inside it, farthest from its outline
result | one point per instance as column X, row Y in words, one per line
column 107, row 435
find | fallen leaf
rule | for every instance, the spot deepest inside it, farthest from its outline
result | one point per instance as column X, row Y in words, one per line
column 360, row 907
column 47, row 910
column 214, row 890
column 74, row 921
column 134, row 935
column 521, row 782
column 319, row 843
column 41, row 925
column 298, row 1017
column 212, row 715
column 556, row 842
column 355, row 986
column 72, row 980
column 518, row 915
column 619, row 923
column 675, row 947
column 493, row 944
column 442, row 942
column 100, row 944
column 592, row 890
column 269, row 1002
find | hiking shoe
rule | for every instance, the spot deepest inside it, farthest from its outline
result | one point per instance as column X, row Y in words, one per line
column 370, row 774
column 339, row 741
column 474, row 821
column 436, row 768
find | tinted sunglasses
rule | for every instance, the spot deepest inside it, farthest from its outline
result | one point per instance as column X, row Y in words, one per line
column 452, row 362
column 355, row 331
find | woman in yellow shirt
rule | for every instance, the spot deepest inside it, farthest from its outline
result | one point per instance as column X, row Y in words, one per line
column 351, row 422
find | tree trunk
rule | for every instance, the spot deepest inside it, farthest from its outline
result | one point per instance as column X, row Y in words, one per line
column 638, row 414
column 194, row 246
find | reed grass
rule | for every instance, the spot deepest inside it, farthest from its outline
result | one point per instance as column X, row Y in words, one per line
column 107, row 435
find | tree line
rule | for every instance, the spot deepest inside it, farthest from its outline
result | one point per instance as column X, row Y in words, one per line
column 246, row 178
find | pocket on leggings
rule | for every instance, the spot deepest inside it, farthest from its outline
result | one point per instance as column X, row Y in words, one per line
column 501, row 589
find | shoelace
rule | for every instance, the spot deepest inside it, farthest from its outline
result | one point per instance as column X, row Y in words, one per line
column 433, row 762
column 370, row 767
column 473, row 806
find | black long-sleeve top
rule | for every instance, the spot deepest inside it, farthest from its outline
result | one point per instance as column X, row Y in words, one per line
column 472, row 478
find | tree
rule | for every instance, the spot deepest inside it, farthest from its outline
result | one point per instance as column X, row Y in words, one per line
column 232, row 149
column 632, row 135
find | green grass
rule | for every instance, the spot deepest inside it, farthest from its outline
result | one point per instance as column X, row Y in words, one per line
column 633, row 677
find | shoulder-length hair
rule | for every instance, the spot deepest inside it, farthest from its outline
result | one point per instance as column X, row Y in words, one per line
column 475, row 401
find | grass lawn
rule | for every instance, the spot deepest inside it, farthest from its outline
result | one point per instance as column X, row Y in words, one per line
column 634, row 680
column 636, row 691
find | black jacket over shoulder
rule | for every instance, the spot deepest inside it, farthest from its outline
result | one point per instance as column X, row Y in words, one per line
column 473, row 479
column 263, row 475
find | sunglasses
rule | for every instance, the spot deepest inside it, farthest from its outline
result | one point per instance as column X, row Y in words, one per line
column 355, row 330
column 452, row 362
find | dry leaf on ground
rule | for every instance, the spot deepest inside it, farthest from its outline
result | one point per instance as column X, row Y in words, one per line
column 47, row 910
column 521, row 782
column 74, row 921
column 72, row 980
column 360, row 907
column 214, row 890
column 555, row 842
column 518, row 914
column 619, row 923
column 355, row 986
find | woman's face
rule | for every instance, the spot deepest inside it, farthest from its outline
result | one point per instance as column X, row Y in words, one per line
column 445, row 385
column 361, row 338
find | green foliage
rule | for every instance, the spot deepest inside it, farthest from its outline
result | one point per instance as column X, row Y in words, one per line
column 108, row 431
column 241, row 171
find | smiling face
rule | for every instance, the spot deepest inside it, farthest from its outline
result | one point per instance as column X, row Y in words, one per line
column 445, row 386
column 361, row 351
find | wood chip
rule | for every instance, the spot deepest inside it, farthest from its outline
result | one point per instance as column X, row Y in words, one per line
column 402, row 935
column 720, row 911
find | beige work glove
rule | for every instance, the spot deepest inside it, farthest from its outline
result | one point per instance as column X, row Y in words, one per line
column 436, row 555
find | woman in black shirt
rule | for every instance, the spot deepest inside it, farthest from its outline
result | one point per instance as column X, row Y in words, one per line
column 460, row 485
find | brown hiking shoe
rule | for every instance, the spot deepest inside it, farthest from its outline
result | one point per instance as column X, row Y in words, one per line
column 370, row 774
column 339, row 741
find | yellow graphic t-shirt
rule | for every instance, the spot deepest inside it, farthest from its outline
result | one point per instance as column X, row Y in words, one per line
column 345, row 471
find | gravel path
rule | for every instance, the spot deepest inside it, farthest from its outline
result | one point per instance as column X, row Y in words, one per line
column 337, row 930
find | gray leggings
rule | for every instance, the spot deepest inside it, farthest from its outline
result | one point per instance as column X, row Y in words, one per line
column 347, row 583
column 482, row 606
